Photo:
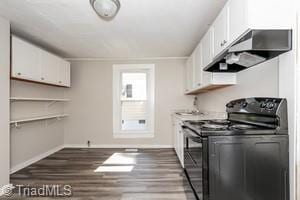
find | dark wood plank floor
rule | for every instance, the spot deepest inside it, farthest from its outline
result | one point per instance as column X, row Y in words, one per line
column 156, row 174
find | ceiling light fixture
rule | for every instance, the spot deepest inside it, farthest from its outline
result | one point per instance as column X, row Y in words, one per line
column 106, row 9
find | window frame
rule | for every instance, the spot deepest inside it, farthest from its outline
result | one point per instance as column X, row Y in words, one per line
column 118, row 69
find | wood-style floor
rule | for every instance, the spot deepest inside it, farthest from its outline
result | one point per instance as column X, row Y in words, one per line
column 150, row 174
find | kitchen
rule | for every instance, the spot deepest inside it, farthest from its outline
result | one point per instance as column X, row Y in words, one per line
column 106, row 95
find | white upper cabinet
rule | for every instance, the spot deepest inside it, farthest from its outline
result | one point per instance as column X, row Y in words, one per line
column 197, row 66
column 207, row 47
column 268, row 14
column 189, row 78
column 237, row 19
column 257, row 14
column 25, row 60
column 64, row 73
column 35, row 64
column 50, row 68
column 220, row 28
column 239, row 16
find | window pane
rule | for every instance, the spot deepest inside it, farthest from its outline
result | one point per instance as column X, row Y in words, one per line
column 134, row 86
column 134, row 115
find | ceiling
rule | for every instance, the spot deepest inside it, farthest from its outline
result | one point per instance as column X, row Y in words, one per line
column 142, row 28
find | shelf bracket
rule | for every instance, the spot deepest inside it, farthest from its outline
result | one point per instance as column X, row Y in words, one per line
column 17, row 125
column 51, row 103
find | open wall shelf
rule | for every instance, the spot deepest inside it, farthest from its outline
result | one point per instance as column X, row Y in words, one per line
column 17, row 122
column 37, row 99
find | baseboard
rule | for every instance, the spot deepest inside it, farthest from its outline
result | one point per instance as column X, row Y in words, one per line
column 117, row 146
column 35, row 159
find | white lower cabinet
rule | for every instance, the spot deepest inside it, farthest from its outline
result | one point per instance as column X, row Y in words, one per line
column 32, row 63
column 178, row 140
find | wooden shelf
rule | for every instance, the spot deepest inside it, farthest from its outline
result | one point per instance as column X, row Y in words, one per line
column 36, row 99
column 16, row 122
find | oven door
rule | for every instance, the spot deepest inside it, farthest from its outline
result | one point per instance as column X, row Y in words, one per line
column 193, row 160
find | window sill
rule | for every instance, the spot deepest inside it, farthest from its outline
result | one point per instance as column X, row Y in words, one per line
column 134, row 135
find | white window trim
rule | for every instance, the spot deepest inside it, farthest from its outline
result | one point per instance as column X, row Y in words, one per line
column 117, row 132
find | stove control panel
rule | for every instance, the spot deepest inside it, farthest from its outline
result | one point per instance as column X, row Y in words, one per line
column 267, row 106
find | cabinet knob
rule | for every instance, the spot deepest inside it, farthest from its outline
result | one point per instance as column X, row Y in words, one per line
column 199, row 84
column 19, row 74
column 42, row 79
column 59, row 82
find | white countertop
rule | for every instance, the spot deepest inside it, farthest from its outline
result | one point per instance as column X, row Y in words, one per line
column 206, row 116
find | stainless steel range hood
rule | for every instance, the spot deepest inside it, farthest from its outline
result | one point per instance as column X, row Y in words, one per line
column 253, row 48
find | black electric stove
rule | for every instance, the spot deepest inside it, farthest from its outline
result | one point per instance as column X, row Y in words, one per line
column 249, row 116
column 207, row 128
column 234, row 156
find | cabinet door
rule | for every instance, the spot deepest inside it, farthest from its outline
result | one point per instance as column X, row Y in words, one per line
column 248, row 167
column 181, row 146
column 220, row 26
column 50, row 68
column 175, row 136
column 189, row 74
column 237, row 19
column 207, row 48
column 198, row 66
column 64, row 73
column 270, row 14
column 25, row 60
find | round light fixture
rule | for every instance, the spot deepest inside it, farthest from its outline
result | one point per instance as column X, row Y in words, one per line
column 106, row 9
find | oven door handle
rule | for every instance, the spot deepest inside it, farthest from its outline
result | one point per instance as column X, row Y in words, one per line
column 197, row 139
column 191, row 158
column 190, row 134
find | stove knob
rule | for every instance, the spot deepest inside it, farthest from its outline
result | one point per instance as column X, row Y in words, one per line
column 229, row 105
column 263, row 105
column 270, row 106
column 244, row 104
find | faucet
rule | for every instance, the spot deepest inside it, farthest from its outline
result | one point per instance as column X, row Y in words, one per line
column 195, row 104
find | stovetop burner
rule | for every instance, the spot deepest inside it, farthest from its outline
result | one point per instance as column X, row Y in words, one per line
column 219, row 121
column 225, row 127
column 214, row 126
column 242, row 126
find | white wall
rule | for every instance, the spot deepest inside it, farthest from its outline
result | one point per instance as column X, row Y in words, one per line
column 288, row 68
column 4, row 100
column 34, row 139
column 91, row 105
column 261, row 80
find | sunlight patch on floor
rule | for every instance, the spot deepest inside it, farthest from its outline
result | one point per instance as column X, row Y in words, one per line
column 114, row 169
column 121, row 159
column 118, row 162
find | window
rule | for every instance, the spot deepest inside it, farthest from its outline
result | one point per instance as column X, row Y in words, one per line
column 133, row 100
